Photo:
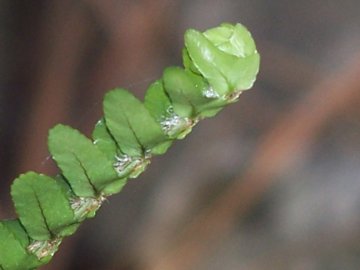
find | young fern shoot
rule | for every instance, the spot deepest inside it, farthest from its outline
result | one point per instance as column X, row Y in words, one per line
column 219, row 64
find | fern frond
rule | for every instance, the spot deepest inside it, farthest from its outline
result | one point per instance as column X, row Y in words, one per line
column 219, row 64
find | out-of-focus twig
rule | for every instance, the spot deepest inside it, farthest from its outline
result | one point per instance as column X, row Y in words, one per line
column 275, row 152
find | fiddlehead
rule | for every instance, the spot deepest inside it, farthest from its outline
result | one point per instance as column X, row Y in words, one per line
column 218, row 65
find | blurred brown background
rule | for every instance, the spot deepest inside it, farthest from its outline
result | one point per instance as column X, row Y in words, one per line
column 272, row 182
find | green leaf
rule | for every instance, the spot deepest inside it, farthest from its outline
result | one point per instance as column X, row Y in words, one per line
column 179, row 86
column 161, row 147
column 203, row 53
column 115, row 187
column 13, row 242
column 232, row 39
column 157, row 102
column 236, row 40
column 188, row 92
column 15, row 227
column 244, row 71
column 226, row 56
column 162, row 109
column 85, row 167
column 104, row 141
column 42, row 206
column 132, row 126
column 191, row 96
column 188, row 63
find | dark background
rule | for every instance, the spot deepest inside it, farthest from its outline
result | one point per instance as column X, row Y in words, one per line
column 273, row 182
